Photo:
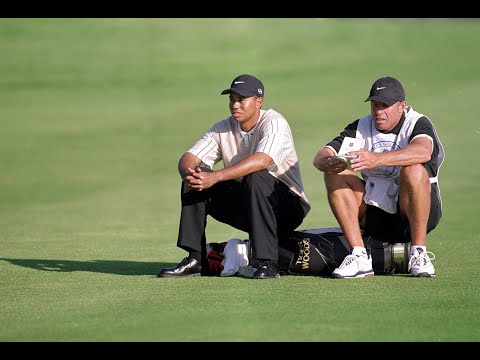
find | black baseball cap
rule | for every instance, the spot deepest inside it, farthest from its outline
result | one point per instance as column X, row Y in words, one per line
column 387, row 90
column 246, row 85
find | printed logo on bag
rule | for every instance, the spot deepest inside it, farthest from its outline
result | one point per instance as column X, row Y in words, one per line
column 303, row 259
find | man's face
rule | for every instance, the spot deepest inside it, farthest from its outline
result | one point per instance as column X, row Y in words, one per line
column 244, row 108
column 386, row 117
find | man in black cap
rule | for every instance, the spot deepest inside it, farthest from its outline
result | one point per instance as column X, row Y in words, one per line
column 397, row 199
column 259, row 190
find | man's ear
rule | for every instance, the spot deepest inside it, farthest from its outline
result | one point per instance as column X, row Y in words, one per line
column 259, row 102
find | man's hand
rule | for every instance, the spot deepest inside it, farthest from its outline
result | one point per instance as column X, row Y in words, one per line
column 188, row 178
column 325, row 161
column 331, row 164
column 200, row 179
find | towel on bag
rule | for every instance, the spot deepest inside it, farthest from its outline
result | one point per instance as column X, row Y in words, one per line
column 235, row 256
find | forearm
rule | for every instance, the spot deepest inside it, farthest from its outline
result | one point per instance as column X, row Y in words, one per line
column 255, row 162
column 410, row 155
column 186, row 162
column 319, row 160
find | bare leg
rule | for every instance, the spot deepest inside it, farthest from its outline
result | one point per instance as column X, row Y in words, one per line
column 414, row 195
column 345, row 195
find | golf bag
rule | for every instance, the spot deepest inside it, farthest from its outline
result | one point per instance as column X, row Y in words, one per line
column 320, row 251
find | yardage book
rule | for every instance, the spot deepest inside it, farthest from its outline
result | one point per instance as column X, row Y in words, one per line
column 349, row 144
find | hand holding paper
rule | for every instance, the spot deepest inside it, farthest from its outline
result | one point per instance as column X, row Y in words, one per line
column 349, row 144
column 346, row 159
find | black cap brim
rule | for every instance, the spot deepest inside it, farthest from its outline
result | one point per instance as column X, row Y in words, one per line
column 382, row 99
column 242, row 92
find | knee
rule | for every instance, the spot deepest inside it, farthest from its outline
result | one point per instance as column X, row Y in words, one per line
column 342, row 181
column 253, row 181
column 333, row 180
column 414, row 175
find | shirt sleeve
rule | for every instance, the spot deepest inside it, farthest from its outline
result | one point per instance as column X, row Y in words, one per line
column 424, row 128
column 349, row 131
column 276, row 140
column 207, row 148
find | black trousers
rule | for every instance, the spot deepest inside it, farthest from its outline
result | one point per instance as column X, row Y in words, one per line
column 260, row 205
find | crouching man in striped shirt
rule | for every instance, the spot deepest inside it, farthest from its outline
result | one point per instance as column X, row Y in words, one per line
column 259, row 190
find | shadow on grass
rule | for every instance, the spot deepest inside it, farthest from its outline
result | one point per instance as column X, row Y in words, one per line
column 116, row 267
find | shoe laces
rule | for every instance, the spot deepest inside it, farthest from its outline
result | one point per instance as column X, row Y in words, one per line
column 263, row 264
column 184, row 261
column 267, row 264
column 348, row 260
column 420, row 260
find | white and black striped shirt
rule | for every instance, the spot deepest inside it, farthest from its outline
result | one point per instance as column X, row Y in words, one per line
column 226, row 141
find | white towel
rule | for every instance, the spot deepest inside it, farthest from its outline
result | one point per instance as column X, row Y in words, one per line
column 235, row 256
column 382, row 193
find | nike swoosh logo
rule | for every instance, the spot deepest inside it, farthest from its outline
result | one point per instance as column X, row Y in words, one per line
column 380, row 88
column 239, row 82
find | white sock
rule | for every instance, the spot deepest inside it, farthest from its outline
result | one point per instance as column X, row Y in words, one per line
column 417, row 250
column 359, row 251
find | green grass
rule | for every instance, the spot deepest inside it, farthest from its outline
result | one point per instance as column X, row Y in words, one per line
column 94, row 115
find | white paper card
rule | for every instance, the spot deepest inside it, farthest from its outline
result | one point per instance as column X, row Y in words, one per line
column 350, row 144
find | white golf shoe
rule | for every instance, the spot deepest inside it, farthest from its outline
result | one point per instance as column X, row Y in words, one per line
column 420, row 265
column 354, row 266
